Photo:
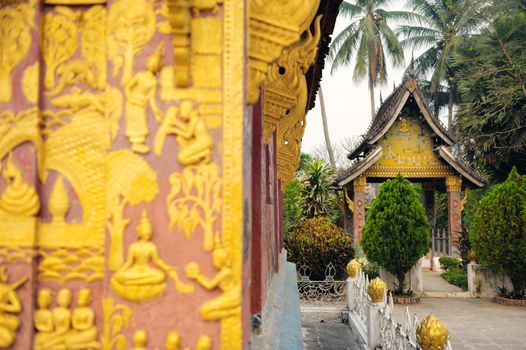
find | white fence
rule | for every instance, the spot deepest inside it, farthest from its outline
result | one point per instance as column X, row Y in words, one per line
column 373, row 322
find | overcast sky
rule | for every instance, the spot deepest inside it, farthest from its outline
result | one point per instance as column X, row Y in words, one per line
column 347, row 103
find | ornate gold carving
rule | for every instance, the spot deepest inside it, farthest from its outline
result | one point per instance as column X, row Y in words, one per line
column 30, row 82
column 353, row 268
column 464, row 199
column 64, row 265
column 180, row 17
column 409, row 171
column 191, row 133
column 431, row 334
column 227, row 304
column 140, row 339
column 140, row 92
column 116, row 319
column 74, row 2
column 17, row 254
column 273, row 26
column 204, row 342
column 136, row 279
column 131, row 24
column 131, row 180
column 84, row 332
column 376, row 290
column 59, row 202
column 194, row 201
column 287, row 78
column 403, row 125
column 360, row 183
column 18, row 199
column 15, row 41
column 173, row 341
column 43, row 319
column 59, row 41
column 10, row 307
column 453, row 183
column 350, row 203
column 61, row 321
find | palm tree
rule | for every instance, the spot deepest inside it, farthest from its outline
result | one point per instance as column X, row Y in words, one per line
column 315, row 190
column 326, row 131
column 369, row 40
column 444, row 25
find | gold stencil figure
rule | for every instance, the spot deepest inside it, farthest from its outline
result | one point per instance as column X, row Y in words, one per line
column 137, row 280
column 59, row 201
column 84, row 332
column 43, row 319
column 204, row 343
column 229, row 302
column 18, row 199
column 173, row 341
column 15, row 41
column 10, row 306
column 61, row 322
column 140, row 92
column 191, row 133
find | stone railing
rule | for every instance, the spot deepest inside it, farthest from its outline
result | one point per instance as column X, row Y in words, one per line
column 370, row 318
column 321, row 293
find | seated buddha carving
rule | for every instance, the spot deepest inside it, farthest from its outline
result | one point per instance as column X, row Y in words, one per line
column 84, row 333
column 143, row 274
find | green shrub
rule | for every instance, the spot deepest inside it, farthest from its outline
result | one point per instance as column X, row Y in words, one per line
column 396, row 231
column 449, row 263
column 457, row 277
column 318, row 242
column 498, row 233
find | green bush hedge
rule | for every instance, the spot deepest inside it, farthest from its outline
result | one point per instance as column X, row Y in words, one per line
column 449, row 263
column 457, row 277
column 316, row 243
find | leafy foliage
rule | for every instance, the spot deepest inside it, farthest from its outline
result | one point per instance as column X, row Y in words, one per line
column 449, row 263
column 318, row 242
column 292, row 206
column 457, row 277
column 498, row 233
column 491, row 76
column 396, row 231
column 315, row 190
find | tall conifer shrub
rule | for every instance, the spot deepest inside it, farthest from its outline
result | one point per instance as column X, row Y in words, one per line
column 498, row 233
column 396, row 231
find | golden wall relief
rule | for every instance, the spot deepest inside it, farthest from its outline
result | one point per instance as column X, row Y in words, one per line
column 65, row 327
column 286, row 101
column 131, row 180
column 173, row 341
column 15, row 40
column 30, row 82
column 116, row 320
column 143, row 275
column 10, row 307
column 68, row 264
column 131, row 25
column 194, row 201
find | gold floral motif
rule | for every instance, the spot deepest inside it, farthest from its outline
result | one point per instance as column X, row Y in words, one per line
column 131, row 26
column 376, row 290
column 59, row 41
column 431, row 334
column 131, row 180
column 353, row 268
column 116, row 319
column 287, row 78
column 191, row 133
column 194, row 201
column 142, row 277
column 10, row 307
column 15, row 41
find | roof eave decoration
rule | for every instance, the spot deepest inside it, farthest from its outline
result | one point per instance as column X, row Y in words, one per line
column 401, row 95
column 468, row 174
column 359, row 168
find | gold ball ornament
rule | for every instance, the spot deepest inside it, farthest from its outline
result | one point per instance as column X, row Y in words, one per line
column 432, row 334
column 376, row 290
column 353, row 268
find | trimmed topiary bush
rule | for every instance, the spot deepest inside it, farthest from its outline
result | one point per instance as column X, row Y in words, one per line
column 498, row 233
column 318, row 242
column 449, row 263
column 396, row 231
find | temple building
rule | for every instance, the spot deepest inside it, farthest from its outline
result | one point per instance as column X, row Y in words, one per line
column 144, row 149
column 407, row 138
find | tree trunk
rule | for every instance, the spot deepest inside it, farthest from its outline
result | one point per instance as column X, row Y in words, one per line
column 371, row 95
column 450, row 107
column 400, row 276
column 326, row 131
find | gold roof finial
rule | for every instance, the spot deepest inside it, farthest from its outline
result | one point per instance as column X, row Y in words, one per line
column 432, row 334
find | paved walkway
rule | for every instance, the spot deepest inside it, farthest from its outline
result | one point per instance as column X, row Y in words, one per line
column 474, row 324
column 432, row 281
column 328, row 336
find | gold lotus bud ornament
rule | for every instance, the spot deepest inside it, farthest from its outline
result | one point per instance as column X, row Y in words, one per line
column 376, row 290
column 432, row 334
column 353, row 268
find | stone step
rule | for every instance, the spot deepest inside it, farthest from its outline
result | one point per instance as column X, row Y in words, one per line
column 437, row 294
